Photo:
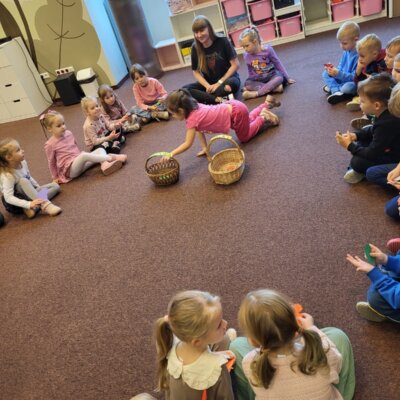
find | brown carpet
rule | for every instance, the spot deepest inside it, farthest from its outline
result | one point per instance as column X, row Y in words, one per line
column 79, row 292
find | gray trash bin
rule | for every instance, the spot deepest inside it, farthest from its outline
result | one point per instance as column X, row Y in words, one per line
column 88, row 82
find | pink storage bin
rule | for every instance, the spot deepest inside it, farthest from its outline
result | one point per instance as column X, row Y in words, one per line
column 260, row 10
column 290, row 26
column 369, row 7
column 235, row 36
column 267, row 31
column 343, row 10
column 233, row 7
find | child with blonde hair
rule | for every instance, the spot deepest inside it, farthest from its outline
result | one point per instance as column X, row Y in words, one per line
column 396, row 68
column 65, row 160
column 339, row 80
column 98, row 132
column 21, row 193
column 291, row 357
column 187, row 367
column 392, row 49
column 219, row 118
column 115, row 112
column 266, row 72
column 371, row 61
column 149, row 94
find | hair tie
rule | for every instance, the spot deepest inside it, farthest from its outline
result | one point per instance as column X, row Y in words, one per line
column 264, row 351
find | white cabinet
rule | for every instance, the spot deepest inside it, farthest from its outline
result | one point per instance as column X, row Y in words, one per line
column 324, row 15
column 173, row 53
column 22, row 92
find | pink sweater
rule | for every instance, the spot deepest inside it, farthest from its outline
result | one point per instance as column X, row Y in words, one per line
column 212, row 119
column 291, row 384
column 94, row 131
column 149, row 94
column 60, row 155
column 115, row 112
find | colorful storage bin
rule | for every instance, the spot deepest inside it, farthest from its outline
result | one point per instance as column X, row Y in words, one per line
column 233, row 7
column 235, row 36
column 260, row 10
column 369, row 7
column 343, row 10
column 290, row 26
column 267, row 31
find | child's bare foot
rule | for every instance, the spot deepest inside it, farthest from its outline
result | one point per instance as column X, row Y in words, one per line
column 201, row 153
column 279, row 89
column 219, row 99
column 247, row 94
column 272, row 101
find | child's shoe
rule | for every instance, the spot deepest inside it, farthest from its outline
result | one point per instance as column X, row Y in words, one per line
column 393, row 245
column 31, row 212
column 336, row 97
column 116, row 148
column 272, row 101
column 326, row 89
column 247, row 94
column 160, row 115
column 353, row 177
column 270, row 119
column 367, row 312
column 132, row 127
column 120, row 157
column 50, row 209
column 354, row 104
column 278, row 89
column 108, row 167
column 359, row 123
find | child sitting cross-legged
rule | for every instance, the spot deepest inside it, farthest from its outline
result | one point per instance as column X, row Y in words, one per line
column 339, row 80
column 384, row 292
column 374, row 144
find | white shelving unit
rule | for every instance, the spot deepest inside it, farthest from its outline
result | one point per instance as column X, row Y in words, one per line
column 318, row 16
column 170, row 51
column 22, row 92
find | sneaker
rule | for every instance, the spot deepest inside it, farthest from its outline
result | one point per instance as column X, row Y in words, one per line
column 31, row 212
column 326, row 89
column 393, row 245
column 336, row 97
column 160, row 115
column 247, row 94
column 50, row 209
column 279, row 89
column 359, row 123
column 232, row 334
column 353, row 177
column 120, row 157
column 132, row 127
column 354, row 104
column 108, row 167
column 367, row 312
column 272, row 101
column 115, row 149
column 270, row 119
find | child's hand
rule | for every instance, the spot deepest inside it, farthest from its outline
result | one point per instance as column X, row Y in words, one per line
column 152, row 108
column 380, row 257
column 291, row 81
column 125, row 118
column 165, row 158
column 393, row 174
column 306, row 321
column 57, row 180
column 343, row 140
column 35, row 203
column 332, row 71
column 359, row 68
column 113, row 135
column 359, row 264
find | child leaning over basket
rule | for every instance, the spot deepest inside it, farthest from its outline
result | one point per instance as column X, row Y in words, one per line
column 149, row 94
column 115, row 112
column 219, row 118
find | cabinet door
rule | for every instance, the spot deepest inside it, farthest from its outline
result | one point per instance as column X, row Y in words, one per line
column 20, row 107
column 12, row 91
column 4, row 113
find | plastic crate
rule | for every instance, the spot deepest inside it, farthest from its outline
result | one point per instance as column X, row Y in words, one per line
column 343, row 10
column 235, row 36
column 267, row 31
column 233, row 7
column 369, row 7
column 260, row 10
column 290, row 26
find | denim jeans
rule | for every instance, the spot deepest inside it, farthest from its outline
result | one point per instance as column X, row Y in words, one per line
column 379, row 304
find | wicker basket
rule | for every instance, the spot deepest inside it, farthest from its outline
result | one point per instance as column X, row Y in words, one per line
column 163, row 173
column 227, row 165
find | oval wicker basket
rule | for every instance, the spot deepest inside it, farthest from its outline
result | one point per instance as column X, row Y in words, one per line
column 163, row 173
column 227, row 165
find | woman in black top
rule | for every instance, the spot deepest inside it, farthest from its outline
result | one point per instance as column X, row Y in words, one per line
column 214, row 64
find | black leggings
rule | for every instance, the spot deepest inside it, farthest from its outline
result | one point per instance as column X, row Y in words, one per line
column 198, row 91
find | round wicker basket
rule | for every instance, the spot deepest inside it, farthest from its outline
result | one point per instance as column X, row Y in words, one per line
column 163, row 173
column 227, row 165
